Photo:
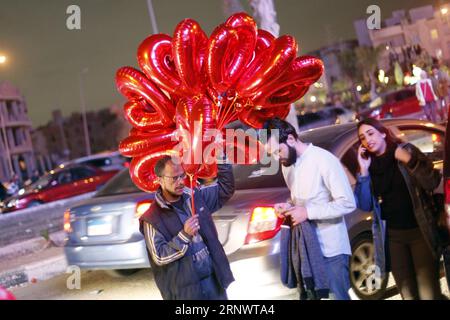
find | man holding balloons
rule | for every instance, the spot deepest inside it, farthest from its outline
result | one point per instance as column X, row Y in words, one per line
column 186, row 256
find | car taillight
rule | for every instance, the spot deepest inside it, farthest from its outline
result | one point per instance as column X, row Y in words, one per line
column 447, row 190
column 142, row 207
column 264, row 224
column 67, row 226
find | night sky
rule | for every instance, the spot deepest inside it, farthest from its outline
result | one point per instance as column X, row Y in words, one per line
column 45, row 58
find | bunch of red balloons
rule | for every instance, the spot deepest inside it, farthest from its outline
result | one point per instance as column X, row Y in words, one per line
column 239, row 73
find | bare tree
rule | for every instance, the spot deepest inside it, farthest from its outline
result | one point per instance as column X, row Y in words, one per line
column 348, row 62
column 367, row 58
column 231, row 7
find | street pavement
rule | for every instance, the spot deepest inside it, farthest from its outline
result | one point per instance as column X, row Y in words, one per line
column 42, row 276
column 100, row 285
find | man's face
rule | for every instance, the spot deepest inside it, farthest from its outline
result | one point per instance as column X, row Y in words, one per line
column 284, row 152
column 435, row 72
column 172, row 179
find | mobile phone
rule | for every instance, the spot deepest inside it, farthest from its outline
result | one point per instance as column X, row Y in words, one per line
column 365, row 154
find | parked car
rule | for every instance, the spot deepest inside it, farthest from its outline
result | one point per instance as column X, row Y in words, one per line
column 400, row 104
column 329, row 115
column 370, row 109
column 311, row 120
column 397, row 104
column 62, row 183
column 107, row 161
column 342, row 114
column 102, row 232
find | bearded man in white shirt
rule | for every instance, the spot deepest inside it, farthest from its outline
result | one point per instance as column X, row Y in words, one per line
column 320, row 193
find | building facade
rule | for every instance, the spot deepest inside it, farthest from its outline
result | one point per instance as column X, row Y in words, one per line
column 407, row 33
column 16, row 148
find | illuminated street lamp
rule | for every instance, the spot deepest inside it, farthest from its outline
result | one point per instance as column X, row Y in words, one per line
column 2, row 59
column 381, row 75
column 444, row 13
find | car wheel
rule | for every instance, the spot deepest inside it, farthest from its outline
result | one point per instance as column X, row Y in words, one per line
column 34, row 203
column 120, row 273
column 362, row 270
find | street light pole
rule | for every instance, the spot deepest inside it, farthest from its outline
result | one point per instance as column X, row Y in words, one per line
column 83, row 112
column 151, row 13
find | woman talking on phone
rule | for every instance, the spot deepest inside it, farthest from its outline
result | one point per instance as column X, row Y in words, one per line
column 396, row 181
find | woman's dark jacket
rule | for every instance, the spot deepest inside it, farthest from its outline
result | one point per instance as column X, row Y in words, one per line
column 421, row 179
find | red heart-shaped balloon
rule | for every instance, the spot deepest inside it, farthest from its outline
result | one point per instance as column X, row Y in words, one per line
column 268, row 67
column 134, row 85
column 256, row 118
column 142, row 169
column 139, row 115
column 156, row 61
column 189, row 51
column 194, row 116
column 230, row 49
column 207, row 171
column 292, row 85
column 141, row 144
column 263, row 42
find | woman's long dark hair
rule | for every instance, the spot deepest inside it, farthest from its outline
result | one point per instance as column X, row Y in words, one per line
column 390, row 137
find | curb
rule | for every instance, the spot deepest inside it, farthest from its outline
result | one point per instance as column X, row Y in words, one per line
column 40, row 270
column 31, row 246
column 46, row 269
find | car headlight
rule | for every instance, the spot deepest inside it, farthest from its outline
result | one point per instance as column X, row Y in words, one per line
column 12, row 203
column 375, row 113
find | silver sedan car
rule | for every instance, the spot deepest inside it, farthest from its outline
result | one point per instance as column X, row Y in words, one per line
column 103, row 233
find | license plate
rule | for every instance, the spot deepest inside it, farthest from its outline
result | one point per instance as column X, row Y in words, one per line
column 99, row 227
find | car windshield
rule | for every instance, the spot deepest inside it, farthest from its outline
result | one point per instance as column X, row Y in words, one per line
column 121, row 183
column 41, row 183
